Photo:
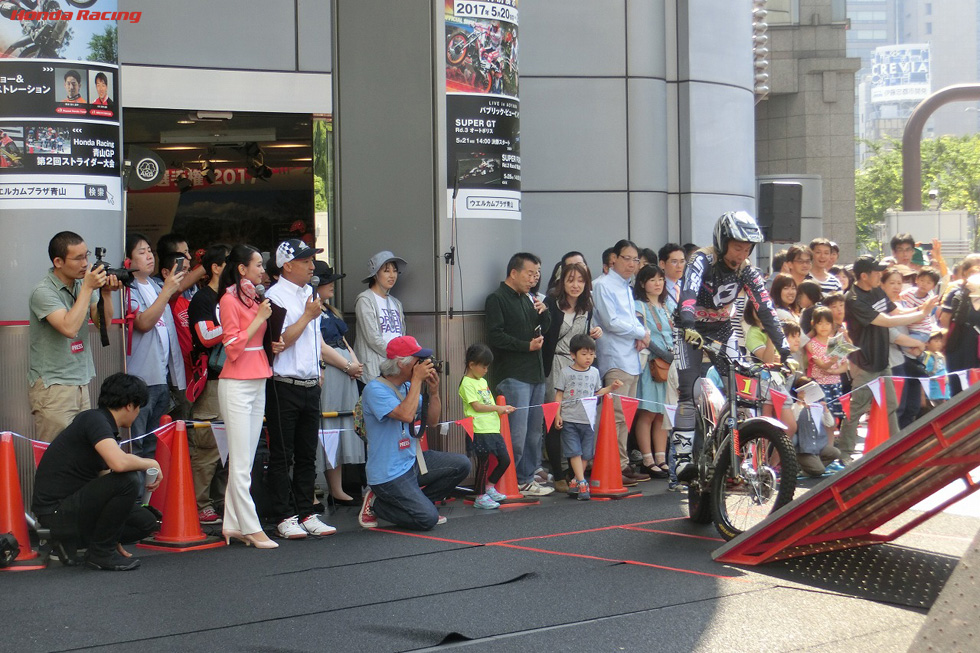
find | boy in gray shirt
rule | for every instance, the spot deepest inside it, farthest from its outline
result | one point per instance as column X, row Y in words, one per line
column 576, row 382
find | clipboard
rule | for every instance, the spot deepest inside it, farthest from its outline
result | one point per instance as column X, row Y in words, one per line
column 273, row 329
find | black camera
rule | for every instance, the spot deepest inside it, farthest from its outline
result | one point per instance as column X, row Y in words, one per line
column 124, row 275
column 437, row 365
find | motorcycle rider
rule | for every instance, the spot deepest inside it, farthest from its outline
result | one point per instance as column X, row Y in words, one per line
column 712, row 280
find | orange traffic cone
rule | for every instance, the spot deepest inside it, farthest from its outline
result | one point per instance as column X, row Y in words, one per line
column 12, row 519
column 607, row 475
column 180, row 530
column 508, row 482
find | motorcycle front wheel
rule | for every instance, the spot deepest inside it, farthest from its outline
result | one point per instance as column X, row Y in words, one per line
column 698, row 504
column 764, row 482
column 456, row 48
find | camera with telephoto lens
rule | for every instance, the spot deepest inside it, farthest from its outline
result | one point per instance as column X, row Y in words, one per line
column 124, row 275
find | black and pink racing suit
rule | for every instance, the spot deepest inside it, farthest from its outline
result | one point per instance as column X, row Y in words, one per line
column 707, row 299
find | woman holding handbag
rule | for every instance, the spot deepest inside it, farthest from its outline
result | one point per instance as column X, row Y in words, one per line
column 650, row 292
column 570, row 304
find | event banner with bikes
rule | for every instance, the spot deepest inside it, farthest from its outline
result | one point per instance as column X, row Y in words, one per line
column 483, row 109
column 60, row 136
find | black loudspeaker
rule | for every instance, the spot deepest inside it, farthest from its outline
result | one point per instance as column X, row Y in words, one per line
column 780, row 211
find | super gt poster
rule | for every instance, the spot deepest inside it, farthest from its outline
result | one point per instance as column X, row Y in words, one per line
column 483, row 108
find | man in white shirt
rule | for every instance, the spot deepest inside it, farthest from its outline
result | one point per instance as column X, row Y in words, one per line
column 293, row 396
column 623, row 336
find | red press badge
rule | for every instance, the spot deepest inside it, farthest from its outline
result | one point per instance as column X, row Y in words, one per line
column 77, row 347
column 404, row 443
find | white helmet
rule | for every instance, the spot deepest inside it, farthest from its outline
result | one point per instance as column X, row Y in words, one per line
column 735, row 225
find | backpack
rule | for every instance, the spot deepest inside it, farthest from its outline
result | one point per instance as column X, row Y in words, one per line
column 359, row 420
column 359, row 427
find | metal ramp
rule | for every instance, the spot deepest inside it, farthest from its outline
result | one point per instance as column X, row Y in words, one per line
column 848, row 509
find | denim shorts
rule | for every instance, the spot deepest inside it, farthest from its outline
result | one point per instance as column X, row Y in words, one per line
column 577, row 440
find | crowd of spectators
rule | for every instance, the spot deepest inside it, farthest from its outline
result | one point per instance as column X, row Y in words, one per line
column 218, row 337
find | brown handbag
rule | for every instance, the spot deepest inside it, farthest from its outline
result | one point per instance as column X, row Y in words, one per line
column 658, row 366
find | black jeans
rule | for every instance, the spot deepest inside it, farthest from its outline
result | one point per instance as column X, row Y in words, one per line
column 293, row 417
column 102, row 514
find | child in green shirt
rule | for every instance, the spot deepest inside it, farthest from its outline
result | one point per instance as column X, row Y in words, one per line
column 478, row 403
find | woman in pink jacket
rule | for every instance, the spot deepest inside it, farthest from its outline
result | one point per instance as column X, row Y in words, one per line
column 241, row 388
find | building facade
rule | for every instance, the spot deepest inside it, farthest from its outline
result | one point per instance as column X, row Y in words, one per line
column 637, row 120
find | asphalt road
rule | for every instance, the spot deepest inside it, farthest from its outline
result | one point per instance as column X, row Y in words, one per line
column 563, row 575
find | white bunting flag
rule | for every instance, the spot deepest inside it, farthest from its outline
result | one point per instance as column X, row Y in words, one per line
column 925, row 385
column 589, row 405
column 671, row 413
column 816, row 412
column 330, row 439
column 220, row 439
column 875, row 387
column 964, row 383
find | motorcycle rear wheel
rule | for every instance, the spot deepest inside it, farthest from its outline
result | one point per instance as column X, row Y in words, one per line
column 742, row 498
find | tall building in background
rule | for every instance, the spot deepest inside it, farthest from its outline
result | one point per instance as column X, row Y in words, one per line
column 898, row 42
column 805, row 127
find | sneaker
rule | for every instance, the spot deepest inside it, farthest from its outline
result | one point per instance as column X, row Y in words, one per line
column 834, row 467
column 290, row 529
column 494, row 494
column 485, row 502
column 542, row 476
column 583, row 491
column 314, row 526
column 208, row 517
column 366, row 517
column 442, row 520
column 110, row 561
column 676, row 487
column 535, row 489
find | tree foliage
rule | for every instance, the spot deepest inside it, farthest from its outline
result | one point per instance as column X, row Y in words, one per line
column 104, row 47
column 950, row 164
column 322, row 164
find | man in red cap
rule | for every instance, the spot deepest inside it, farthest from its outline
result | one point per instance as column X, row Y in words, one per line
column 405, row 482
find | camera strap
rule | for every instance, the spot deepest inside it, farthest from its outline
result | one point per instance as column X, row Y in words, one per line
column 100, row 317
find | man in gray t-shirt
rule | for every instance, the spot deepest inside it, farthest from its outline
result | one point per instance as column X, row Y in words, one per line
column 61, row 364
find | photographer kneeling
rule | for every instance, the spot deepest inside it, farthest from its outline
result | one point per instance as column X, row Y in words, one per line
column 400, row 492
column 87, row 489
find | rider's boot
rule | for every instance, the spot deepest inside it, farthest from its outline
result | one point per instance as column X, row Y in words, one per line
column 683, row 454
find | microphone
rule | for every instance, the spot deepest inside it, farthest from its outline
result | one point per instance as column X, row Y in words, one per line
column 260, row 292
column 456, row 181
column 314, row 282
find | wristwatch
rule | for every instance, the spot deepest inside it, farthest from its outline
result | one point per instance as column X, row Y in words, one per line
column 323, row 365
